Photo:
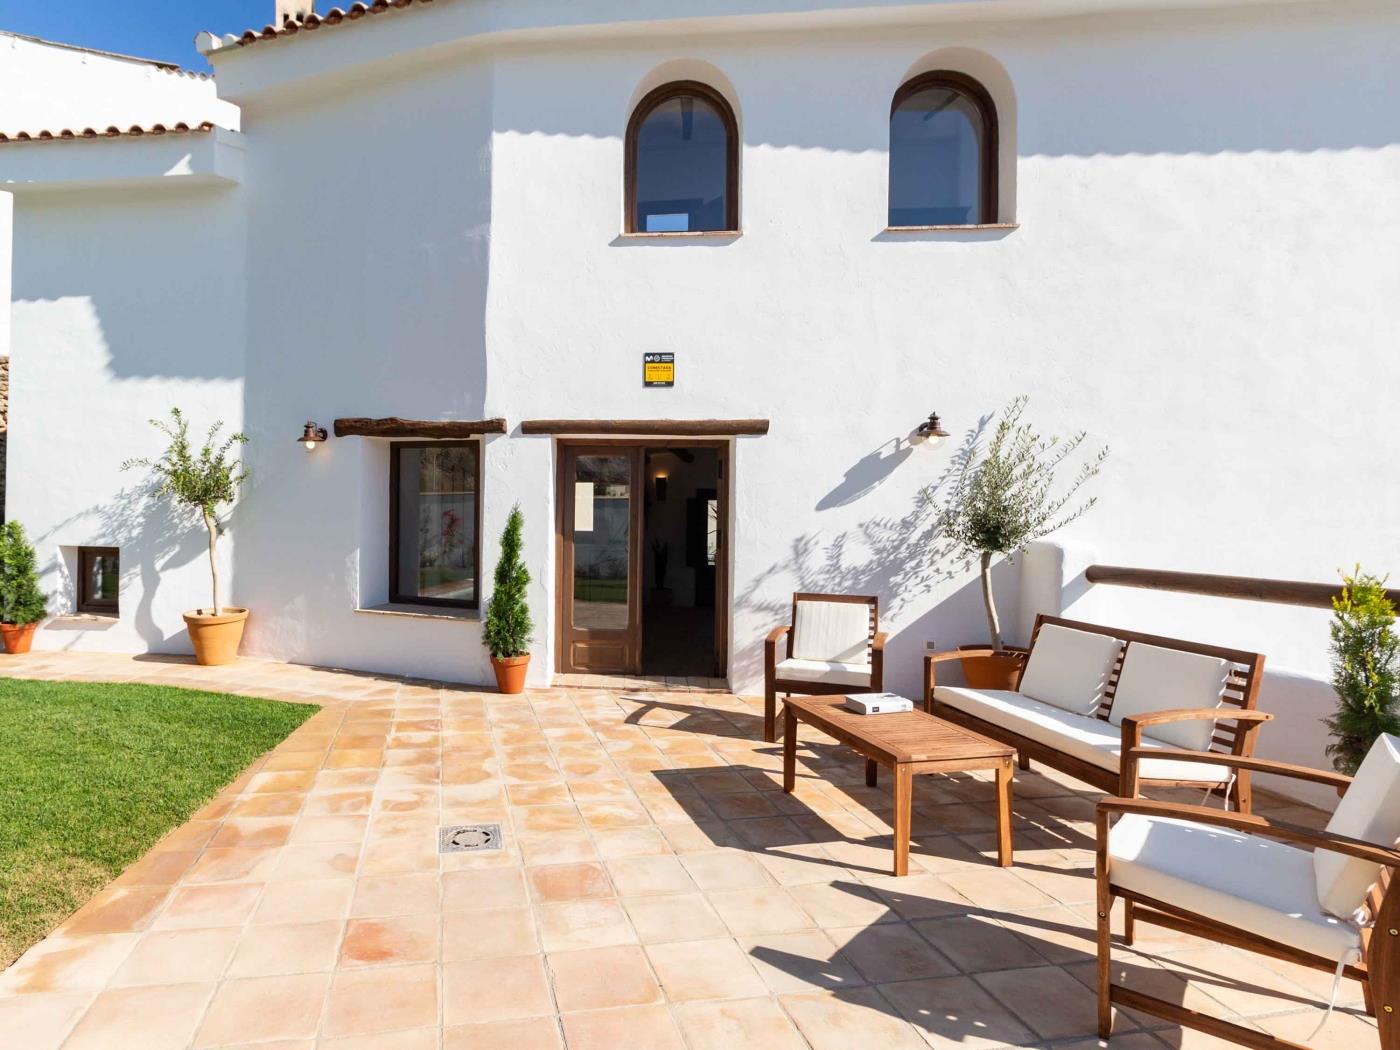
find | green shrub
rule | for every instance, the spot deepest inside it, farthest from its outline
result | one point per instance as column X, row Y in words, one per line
column 198, row 483
column 21, row 600
column 508, row 624
column 1365, row 670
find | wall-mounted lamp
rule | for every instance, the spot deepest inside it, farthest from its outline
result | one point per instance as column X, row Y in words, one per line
column 931, row 428
column 312, row 435
column 661, row 480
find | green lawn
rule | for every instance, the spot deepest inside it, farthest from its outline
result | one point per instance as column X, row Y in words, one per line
column 91, row 775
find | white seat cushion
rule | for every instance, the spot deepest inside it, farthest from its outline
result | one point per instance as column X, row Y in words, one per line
column 826, row 672
column 1245, row 881
column 1070, row 669
column 836, row 632
column 1370, row 810
column 1090, row 739
column 1157, row 679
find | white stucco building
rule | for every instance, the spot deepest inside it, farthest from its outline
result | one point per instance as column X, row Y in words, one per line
column 1173, row 223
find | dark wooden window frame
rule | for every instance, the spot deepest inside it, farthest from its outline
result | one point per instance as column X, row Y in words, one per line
column 87, row 601
column 649, row 102
column 395, row 597
column 991, row 149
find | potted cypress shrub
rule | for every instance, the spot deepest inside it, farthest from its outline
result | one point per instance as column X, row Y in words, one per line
column 199, row 483
column 22, row 603
column 1365, row 670
column 508, row 626
column 1002, row 501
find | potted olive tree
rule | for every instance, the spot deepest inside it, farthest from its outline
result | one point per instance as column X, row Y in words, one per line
column 1365, row 670
column 198, row 483
column 22, row 603
column 508, row 625
column 1000, row 502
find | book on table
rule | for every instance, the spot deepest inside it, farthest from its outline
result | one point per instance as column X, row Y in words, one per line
column 877, row 703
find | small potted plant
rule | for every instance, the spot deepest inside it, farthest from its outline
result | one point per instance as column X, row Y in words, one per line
column 1365, row 670
column 660, row 560
column 508, row 627
column 22, row 603
column 199, row 483
column 1002, row 501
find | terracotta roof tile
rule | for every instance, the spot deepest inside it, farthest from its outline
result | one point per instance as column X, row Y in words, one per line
column 112, row 132
column 335, row 16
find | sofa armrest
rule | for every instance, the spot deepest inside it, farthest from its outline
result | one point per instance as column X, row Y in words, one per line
column 1247, row 823
column 1340, row 781
column 1133, row 725
column 776, row 635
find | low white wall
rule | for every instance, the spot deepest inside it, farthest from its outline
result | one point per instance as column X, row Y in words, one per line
column 1053, row 582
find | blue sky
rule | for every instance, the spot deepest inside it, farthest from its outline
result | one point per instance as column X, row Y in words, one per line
column 161, row 29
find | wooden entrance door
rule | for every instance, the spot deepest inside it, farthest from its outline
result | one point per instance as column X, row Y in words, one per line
column 601, row 492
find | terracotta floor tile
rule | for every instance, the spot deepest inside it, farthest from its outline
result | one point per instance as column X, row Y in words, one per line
column 1046, row 999
column 45, row 1020
column 833, row 1020
column 484, row 890
column 574, row 925
column 537, row 1033
column 724, row 870
column 768, row 909
column 249, row 832
column 673, row 917
column 568, row 882
column 723, row 1025
column 890, row 952
column 118, row 909
column 805, row 961
column 310, row 900
column 200, row 907
column 637, row 876
column 233, row 865
column 955, row 1014
column 396, row 895
column 265, row 951
column 319, row 861
column 479, row 934
column 161, row 1017
column 498, row 989
column 630, row 842
column 158, row 868
column 553, row 793
column 599, row 978
column 182, row 955
column 281, row 783
column 717, row 969
column 998, row 888
column 413, row 1039
column 390, row 940
column 638, row 1026
column 263, row 806
column 68, row 964
column 264, row 1008
column 384, row 999
column 398, row 856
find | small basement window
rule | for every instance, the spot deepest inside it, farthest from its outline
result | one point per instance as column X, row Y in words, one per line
column 99, row 570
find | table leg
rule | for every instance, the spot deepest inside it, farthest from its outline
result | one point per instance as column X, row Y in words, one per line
column 789, row 749
column 903, row 803
column 872, row 773
column 1004, row 775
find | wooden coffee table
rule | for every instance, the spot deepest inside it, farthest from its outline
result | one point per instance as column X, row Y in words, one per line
column 909, row 743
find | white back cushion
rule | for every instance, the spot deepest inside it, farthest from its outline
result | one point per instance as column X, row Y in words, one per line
column 1370, row 810
column 1157, row 679
column 836, row 632
column 1069, row 669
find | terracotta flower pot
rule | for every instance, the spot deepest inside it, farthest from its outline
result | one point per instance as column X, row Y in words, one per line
column 216, row 638
column 18, row 636
column 510, row 673
column 998, row 671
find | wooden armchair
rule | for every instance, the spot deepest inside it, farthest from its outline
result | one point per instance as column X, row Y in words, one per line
column 833, row 646
column 1322, row 899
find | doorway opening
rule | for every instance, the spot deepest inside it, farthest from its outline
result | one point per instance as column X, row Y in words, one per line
column 681, row 545
column 642, row 564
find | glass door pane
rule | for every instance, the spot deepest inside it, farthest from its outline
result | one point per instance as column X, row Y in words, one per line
column 602, row 535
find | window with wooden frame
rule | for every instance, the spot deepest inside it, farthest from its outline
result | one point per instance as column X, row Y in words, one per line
column 682, row 162
column 99, row 575
column 435, row 523
column 943, row 153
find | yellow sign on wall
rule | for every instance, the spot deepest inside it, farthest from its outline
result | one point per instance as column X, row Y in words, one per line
column 658, row 369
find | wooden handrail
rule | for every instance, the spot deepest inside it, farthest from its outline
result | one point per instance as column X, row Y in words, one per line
column 1244, row 588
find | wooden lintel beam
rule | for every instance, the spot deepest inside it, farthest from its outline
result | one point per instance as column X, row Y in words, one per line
column 648, row 427
column 394, row 427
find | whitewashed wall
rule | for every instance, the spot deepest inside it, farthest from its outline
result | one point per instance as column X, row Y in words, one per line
column 48, row 86
column 1204, row 277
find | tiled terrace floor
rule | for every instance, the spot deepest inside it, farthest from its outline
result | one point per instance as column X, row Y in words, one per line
column 657, row 890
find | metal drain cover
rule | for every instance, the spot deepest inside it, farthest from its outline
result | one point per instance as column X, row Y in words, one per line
column 469, row 838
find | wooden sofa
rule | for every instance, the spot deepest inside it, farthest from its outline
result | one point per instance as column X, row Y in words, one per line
column 1170, row 694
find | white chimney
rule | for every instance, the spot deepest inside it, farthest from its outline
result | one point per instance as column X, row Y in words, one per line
column 293, row 10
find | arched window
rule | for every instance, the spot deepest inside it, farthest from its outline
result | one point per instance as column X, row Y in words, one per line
column 682, row 162
column 943, row 153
